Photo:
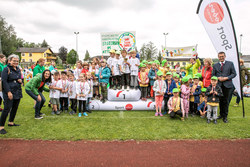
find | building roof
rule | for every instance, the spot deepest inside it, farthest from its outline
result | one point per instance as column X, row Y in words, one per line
column 32, row 50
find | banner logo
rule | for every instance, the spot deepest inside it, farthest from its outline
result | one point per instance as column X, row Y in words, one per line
column 126, row 41
column 129, row 107
column 214, row 13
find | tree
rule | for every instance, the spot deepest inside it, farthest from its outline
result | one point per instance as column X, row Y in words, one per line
column 143, row 52
column 87, row 56
column 44, row 44
column 151, row 50
column 72, row 57
column 159, row 57
column 63, row 53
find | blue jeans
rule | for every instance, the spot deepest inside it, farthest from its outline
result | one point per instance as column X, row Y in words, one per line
column 87, row 104
column 39, row 104
column 201, row 106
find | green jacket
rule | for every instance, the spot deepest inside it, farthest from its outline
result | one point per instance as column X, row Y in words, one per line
column 34, row 84
column 192, row 69
column 1, row 68
column 38, row 69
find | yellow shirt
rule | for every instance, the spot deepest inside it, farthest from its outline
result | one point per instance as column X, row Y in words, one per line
column 201, row 84
column 213, row 104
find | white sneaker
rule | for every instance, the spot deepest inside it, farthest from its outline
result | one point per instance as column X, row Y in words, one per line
column 127, row 88
column 122, row 88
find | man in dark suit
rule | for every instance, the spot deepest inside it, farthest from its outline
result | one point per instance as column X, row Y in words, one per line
column 225, row 72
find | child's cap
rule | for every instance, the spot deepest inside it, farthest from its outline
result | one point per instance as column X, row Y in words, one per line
column 169, row 73
column 163, row 62
column 176, row 75
column 198, row 75
column 168, row 65
column 117, row 52
column 203, row 89
column 142, row 65
column 150, row 62
column 104, row 61
column 189, row 77
column 132, row 51
column 214, row 78
column 185, row 79
column 156, row 61
column 159, row 73
column 176, row 90
column 144, row 61
column 112, row 51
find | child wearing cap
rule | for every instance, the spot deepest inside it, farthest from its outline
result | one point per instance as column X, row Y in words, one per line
column 125, row 71
column 203, row 103
column 109, row 64
column 103, row 75
column 116, row 73
column 152, row 75
column 143, row 81
column 213, row 94
column 134, row 64
column 177, row 80
column 175, row 105
column 185, row 93
column 55, row 91
column 72, row 94
column 194, row 96
column 200, row 80
column 159, row 89
column 170, row 83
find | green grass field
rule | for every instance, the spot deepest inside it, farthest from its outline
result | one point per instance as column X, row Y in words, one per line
column 124, row 125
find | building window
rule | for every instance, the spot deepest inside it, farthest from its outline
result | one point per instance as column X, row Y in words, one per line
column 30, row 60
column 30, row 54
column 44, row 54
column 23, row 54
column 184, row 63
column 23, row 60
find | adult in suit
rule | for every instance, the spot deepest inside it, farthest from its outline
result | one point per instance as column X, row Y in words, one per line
column 225, row 72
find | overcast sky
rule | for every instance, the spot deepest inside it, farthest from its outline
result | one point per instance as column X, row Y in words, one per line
column 57, row 20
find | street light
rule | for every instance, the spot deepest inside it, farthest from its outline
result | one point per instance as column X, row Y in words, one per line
column 76, row 42
column 165, row 34
column 240, row 41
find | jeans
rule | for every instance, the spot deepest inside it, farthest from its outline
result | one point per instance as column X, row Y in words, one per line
column 39, row 104
column 82, row 106
column 125, row 78
column 144, row 92
column 64, row 103
column 10, row 106
column 87, row 103
column 73, row 104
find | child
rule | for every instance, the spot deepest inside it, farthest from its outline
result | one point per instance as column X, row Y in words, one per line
column 55, row 90
column 152, row 75
column 72, row 94
column 246, row 90
column 116, row 70
column 159, row 88
column 177, row 80
column 203, row 103
column 169, row 91
column 82, row 90
column 93, row 68
column 194, row 96
column 185, row 92
column 213, row 94
column 85, row 68
column 78, row 69
column 134, row 63
column 90, row 94
column 200, row 78
column 175, row 105
column 103, row 75
column 64, row 92
column 96, row 86
column 125, row 71
column 109, row 64
column 143, row 81
column 29, row 75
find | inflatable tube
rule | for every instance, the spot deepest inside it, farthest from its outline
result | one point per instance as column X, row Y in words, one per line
column 119, row 95
column 123, row 105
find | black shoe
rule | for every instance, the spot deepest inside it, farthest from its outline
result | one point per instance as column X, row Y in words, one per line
column 208, row 121
column 49, row 105
column 13, row 124
column 38, row 117
column 41, row 114
column 215, row 121
column 225, row 120
column 219, row 117
column 89, row 111
column 3, row 131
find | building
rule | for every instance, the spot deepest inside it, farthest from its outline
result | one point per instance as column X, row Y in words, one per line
column 183, row 61
column 99, row 57
column 32, row 55
column 246, row 59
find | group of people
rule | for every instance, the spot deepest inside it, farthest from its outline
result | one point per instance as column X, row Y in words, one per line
column 195, row 91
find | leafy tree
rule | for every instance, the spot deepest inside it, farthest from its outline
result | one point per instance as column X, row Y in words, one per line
column 44, row 44
column 72, row 57
column 63, row 53
column 151, row 50
column 159, row 57
column 87, row 56
column 143, row 52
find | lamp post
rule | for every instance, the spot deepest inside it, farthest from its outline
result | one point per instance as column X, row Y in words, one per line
column 165, row 34
column 76, row 42
column 240, row 42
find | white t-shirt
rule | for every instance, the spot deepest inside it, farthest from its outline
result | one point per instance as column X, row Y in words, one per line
column 246, row 91
column 124, row 66
column 82, row 88
column 90, row 82
column 96, row 70
column 77, row 72
column 133, row 68
column 72, row 89
column 110, row 61
column 115, row 65
column 65, row 84
column 55, row 93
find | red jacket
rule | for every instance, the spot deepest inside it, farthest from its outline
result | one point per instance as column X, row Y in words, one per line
column 85, row 71
column 207, row 76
